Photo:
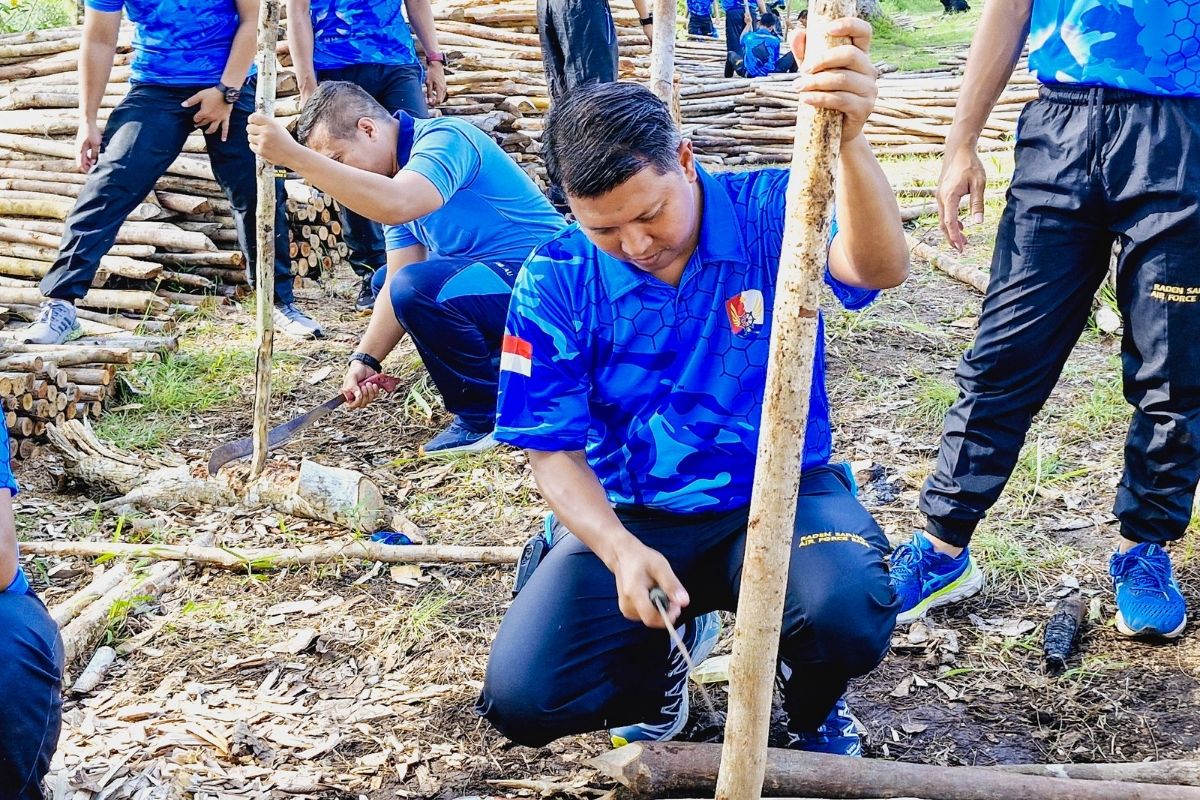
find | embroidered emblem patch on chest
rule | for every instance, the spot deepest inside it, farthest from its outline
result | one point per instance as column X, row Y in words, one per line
column 746, row 312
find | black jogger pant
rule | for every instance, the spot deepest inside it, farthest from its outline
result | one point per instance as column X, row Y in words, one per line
column 565, row 661
column 735, row 26
column 579, row 43
column 396, row 87
column 144, row 134
column 1093, row 166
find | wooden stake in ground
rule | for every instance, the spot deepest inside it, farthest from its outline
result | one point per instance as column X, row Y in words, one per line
column 264, row 227
column 662, row 56
column 781, row 436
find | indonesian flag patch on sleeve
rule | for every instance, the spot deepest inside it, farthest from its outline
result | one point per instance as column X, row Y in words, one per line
column 516, row 355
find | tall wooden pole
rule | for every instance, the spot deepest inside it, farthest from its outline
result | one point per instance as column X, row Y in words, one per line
column 264, row 230
column 781, row 434
column 662, row 56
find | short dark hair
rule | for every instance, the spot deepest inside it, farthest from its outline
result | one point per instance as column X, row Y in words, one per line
column 768, row 19
column 600, row 135
column 338, row 105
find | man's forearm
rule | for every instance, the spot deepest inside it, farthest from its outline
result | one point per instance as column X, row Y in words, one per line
column 385, row 200
column 95, row 66
column 574, row 492
column 420, row 14
column 300, row 41
column 995, row 49
column 8, row 541
column 870, row 250
column 241, row 53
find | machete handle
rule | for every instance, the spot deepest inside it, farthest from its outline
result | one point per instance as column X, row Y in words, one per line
column 386, row 382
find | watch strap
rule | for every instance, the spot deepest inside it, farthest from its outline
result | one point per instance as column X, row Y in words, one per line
column 367, row 359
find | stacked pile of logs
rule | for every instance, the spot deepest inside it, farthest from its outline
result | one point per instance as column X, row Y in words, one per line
column 49, row 385
column 179, row 248
column 314, row 231
column 496, row 82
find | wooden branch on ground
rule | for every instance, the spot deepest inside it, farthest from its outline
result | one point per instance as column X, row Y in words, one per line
column 664, row 769
column 781, row 437
column 95, row 670
column 314, row 491
column 68, row 609
column 1170, row 773
column 260, row 558
column 964, row 273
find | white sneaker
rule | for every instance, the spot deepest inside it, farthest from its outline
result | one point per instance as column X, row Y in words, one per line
column 55, row 324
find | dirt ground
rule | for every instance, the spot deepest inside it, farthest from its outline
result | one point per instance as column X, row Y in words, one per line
column 358, row 680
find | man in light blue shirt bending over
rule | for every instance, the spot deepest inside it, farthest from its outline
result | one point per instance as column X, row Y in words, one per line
column 464, row 217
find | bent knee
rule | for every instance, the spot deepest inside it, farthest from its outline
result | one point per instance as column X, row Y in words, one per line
column 854, row 624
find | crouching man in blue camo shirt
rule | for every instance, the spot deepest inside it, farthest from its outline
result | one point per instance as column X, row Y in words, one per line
column 31, row 664
column 463, row 215
column 633, row 374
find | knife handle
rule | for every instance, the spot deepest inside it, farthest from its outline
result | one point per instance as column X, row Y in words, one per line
column 388, row 383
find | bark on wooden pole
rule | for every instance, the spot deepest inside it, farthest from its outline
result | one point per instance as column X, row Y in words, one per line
column 781, row 435
column 264, row 226
column 662, row 56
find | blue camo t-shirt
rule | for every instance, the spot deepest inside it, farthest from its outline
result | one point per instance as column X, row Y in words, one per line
column 17, row 583
column 1150, row 46
column 699, row 7
column 492, row 211
column 178, row 42
column 661, row 386
column 760, row 53
column 350, row 32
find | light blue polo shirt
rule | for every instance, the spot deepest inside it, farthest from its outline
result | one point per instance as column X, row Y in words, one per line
column 661, row 386
column 1149, row 46
column 492, row 210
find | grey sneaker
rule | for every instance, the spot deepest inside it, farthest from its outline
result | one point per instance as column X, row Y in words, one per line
column 55, row 324
column 290, row 319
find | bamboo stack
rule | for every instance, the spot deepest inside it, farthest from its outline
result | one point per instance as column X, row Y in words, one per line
column 314, row 232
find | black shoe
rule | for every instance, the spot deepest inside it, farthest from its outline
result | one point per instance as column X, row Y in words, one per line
column 366, row 298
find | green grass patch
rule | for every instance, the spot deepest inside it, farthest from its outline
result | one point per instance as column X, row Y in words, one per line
column 1039, row 470
column 934, row 398
column 32, row 15
column 1102, row 409
column 933, row 34
column 1013, row 563
column 190, row 382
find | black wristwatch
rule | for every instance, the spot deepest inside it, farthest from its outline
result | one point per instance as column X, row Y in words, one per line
column 647, row 20
column 367, row 359
column 230, row 93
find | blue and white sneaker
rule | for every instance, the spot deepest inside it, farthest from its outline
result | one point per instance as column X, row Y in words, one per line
column 924, row 578
column 840, row 734
column 457, row 439
column 1149, row 602
column 55, row 324
column 700, row 637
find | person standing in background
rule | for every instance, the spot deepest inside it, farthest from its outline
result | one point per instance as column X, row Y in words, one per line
column 700, row 18
column 368, row 43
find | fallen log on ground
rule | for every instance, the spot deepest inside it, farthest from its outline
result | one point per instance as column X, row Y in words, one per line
column 1170, row 773
column 260, row 558
column 314, row 491
column 68, row 609
column 964, row 273
column 665, row 769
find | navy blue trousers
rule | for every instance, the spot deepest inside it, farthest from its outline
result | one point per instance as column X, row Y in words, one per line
column 31, row 664
column 565, row 661
column 1093, row 167
column 144, row 134
column 454, row 309
column 395, row 87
